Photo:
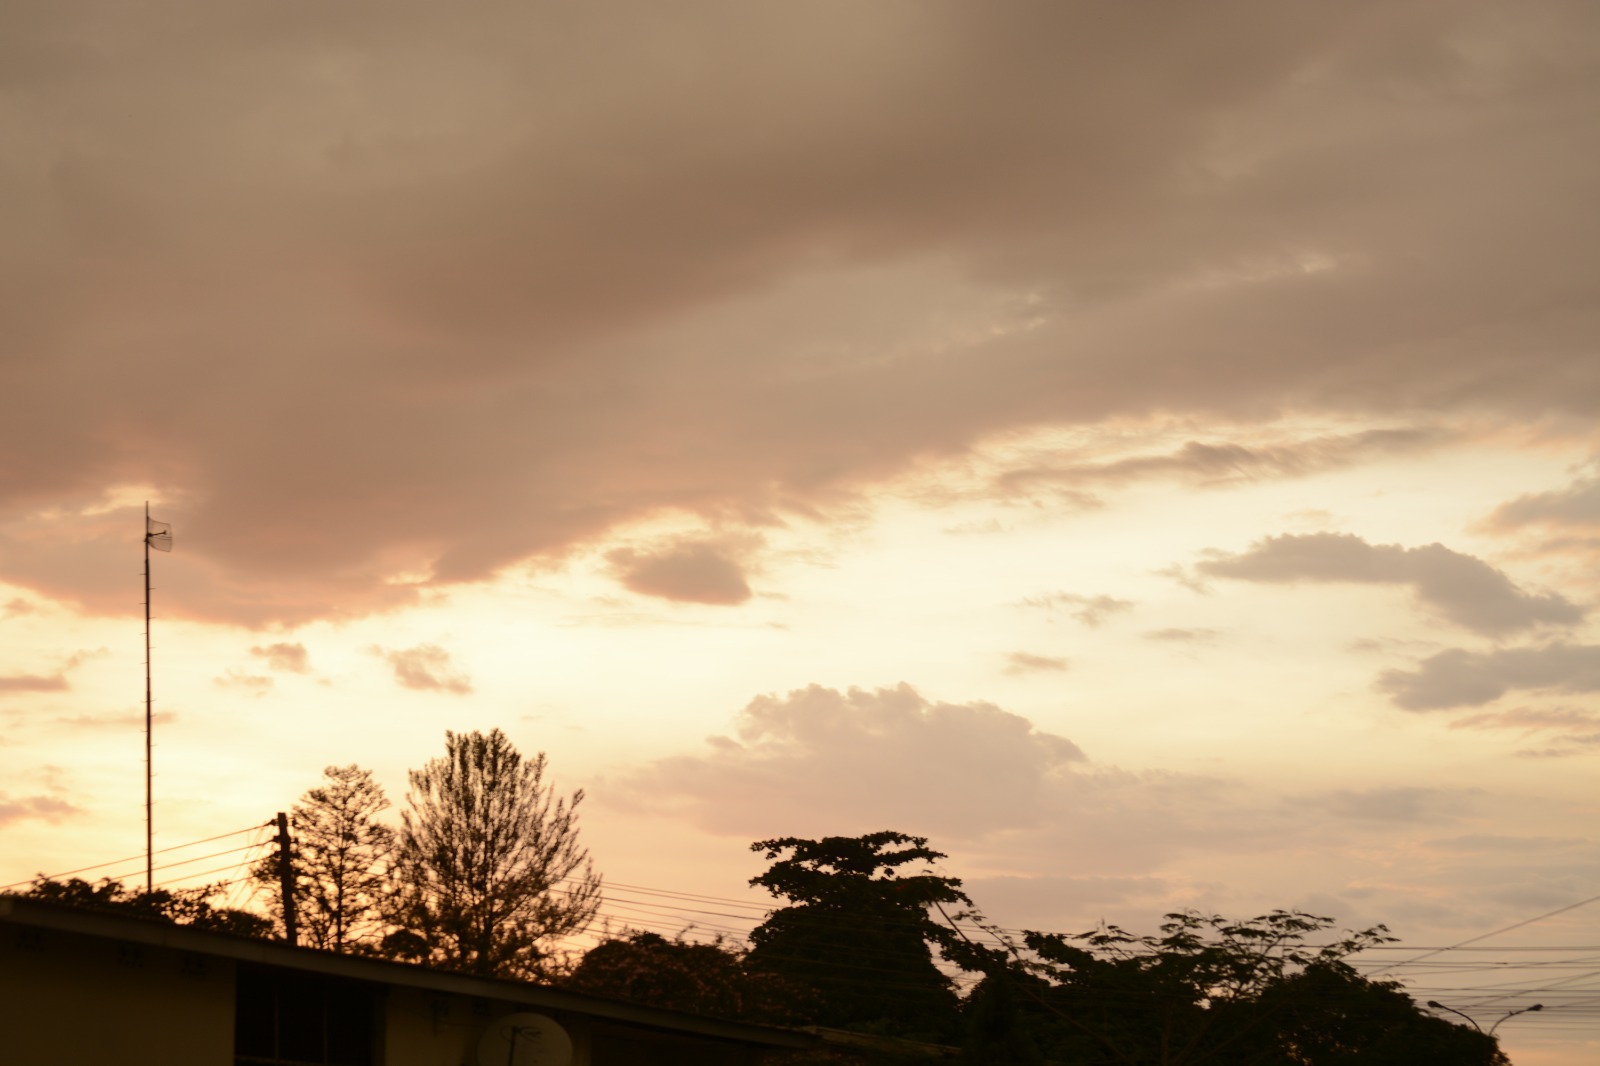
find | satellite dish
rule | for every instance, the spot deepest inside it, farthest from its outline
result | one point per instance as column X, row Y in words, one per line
column 525, row 1039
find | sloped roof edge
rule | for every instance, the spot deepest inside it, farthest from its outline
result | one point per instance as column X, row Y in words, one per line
column 21, row 911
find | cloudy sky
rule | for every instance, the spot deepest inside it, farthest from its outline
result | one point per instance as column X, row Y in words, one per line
column 1150, row 450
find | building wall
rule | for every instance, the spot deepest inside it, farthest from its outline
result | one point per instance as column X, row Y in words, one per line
column 616, row 1046
column 72, row 999
column 428, row 1029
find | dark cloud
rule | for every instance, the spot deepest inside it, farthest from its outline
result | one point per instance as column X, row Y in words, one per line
column 288, row 658
column 820, row 760
column 689, row 572
column 1022, row 662
column 408, row 295
column 1460, row 678
column 1462, row 588
column 50, row 809
column 1226, row 463
column 1092, row 611
column 426, row 668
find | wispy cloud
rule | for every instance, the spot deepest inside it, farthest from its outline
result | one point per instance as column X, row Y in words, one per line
column 10, row 683
column 1575, row 507
column 1395, row 804
column 1183, row 636
column 50, row 809
column 426, row 668
column 1221, row 463
column 239, row 679
column 288, row 658
column 1561, row 730
column 1092, row 611
column 1022, row 662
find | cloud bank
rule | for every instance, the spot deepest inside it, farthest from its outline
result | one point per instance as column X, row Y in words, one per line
column 409, row 294
column 863, row 757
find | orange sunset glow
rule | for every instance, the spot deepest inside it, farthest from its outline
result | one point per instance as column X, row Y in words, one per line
column 1150, row 450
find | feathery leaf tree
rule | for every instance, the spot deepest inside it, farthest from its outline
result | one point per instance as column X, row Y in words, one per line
column 489, row 871
column 341, row 861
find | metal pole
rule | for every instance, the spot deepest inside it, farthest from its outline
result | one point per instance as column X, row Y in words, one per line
column 149, row 830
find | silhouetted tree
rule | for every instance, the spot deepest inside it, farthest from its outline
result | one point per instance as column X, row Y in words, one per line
column 705, row 978
column 341, row 862
column 858, row 930
column 181, row 906
column 1210, row 992
column 489, row 871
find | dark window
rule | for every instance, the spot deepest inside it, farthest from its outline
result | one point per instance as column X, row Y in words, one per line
column 283, row 1018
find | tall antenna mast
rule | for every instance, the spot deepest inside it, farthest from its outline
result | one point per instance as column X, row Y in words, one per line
column 157, row 535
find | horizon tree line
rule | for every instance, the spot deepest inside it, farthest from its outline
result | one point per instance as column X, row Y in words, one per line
column 485, row 875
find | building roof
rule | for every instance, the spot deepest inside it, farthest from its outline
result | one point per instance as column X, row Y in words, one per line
column 18, row 910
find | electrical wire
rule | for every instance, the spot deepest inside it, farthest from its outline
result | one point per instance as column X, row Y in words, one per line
column 1497, row 932
column 131, row 858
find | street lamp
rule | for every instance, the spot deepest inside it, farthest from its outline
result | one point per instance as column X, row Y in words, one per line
column 1513, row 1014
column 1436, row 1005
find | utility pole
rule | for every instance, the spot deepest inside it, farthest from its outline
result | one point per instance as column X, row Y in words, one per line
column 286, row 879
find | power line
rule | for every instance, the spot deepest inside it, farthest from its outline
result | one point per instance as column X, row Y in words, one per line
column 131, row 858
column 1497, row 932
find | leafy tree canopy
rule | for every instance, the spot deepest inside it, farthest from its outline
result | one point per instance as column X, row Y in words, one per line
column 1211, row 991
column 858, row 930
column 701, row 978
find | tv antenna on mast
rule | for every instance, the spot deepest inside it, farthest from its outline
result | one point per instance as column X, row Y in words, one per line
column 157, row 535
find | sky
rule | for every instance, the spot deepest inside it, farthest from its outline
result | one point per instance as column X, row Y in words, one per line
column 1148, row 450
